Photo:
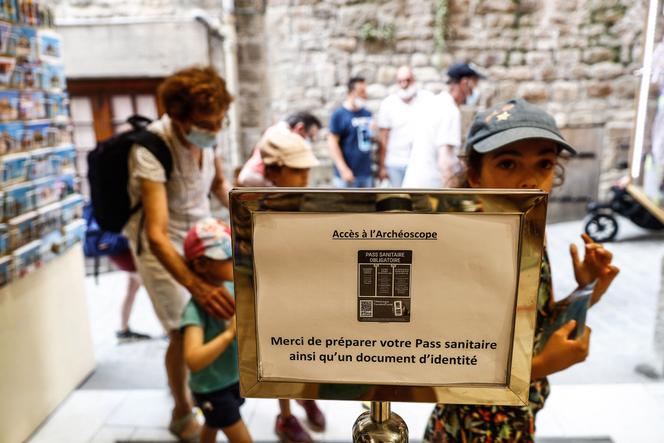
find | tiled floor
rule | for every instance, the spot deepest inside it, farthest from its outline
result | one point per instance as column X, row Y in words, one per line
column 139, row 415
column 626, row 413
column 604, row 397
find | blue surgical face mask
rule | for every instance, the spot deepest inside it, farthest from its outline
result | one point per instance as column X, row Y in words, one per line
column 201, row 137
column 474, row 97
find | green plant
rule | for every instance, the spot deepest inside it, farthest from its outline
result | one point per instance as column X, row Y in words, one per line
column 518, row 14
column 440, row 20
column 607, row 14
column 372, row 31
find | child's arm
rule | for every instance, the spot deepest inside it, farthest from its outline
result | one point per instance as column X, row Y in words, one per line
column 199, row 355
column 560, row 352
column 596, row 265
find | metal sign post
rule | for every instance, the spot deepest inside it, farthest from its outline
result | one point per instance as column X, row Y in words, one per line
column 380, row 425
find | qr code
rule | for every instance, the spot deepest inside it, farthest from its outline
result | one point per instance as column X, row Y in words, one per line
column 366, row 308
column 398, row 312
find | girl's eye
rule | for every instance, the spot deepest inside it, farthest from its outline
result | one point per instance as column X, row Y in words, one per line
column 546, row 164
column 507, row 164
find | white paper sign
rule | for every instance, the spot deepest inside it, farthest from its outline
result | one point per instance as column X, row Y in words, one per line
column 454, row 277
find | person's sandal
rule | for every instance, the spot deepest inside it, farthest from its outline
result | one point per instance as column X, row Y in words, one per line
column 176, row 427
column 290, row 430
column 315, row 416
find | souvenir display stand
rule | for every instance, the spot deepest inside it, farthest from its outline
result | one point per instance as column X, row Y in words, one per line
column 45, row 339
column 44, row 342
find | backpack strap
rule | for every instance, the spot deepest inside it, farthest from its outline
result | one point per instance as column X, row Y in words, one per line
column 138, row 121
column 157, row 147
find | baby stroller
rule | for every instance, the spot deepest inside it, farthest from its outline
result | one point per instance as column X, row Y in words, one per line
column 601, row 224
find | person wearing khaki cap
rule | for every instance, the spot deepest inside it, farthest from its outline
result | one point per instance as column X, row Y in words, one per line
column 287, row 159
column 302, row 123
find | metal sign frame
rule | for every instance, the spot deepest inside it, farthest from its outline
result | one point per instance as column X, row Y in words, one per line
column 530, row 206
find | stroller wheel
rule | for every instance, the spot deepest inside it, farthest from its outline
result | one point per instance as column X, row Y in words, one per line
column 602, row 227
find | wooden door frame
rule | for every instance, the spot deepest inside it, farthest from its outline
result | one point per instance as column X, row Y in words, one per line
column 100, row 90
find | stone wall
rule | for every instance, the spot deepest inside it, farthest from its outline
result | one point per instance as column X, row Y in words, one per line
column 576, row 58
column 254, row 74
column 68, row 9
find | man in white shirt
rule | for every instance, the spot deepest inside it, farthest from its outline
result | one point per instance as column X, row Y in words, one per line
column 397, row 122
column 433, row 160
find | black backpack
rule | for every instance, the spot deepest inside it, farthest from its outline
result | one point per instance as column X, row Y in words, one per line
column 108, row 173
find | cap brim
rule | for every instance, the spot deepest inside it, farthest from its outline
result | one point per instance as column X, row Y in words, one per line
column 216, row 254
column 512, row 135
column 457, row 78
column 304, row 159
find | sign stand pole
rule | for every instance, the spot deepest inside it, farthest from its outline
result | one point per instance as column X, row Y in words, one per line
column 380, row 425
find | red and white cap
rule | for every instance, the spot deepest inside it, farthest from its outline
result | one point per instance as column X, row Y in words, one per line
column 208, row 238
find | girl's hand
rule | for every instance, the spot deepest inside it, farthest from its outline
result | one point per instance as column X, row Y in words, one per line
column 596, row 265
column 595, row 259
column 561, row 352
column 603, row 283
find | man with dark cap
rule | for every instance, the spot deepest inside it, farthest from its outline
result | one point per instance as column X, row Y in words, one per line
column 463, row 79
column 433, row 161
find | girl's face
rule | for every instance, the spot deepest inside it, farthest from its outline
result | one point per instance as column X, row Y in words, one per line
column 215, row 272
column 526, row 164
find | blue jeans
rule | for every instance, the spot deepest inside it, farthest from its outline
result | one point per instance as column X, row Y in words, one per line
column 396, row 174
column 359, row 182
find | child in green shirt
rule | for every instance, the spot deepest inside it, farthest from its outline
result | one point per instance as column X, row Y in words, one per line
column 210, row 348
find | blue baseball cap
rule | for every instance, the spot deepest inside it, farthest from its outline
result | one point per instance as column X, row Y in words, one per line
column 460, row 70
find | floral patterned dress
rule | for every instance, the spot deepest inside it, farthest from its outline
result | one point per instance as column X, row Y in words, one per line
column 497, row 424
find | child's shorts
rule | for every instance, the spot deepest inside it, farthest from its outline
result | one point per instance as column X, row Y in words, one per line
column 221, row 408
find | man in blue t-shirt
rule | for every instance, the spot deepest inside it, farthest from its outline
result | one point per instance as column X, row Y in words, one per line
column 350, row 140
